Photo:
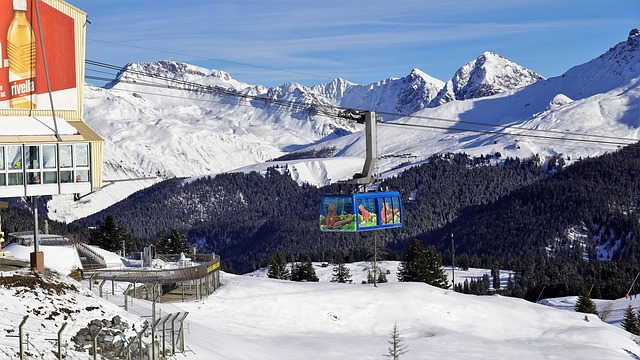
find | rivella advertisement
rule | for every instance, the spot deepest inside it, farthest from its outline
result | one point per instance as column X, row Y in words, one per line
column 23, row 79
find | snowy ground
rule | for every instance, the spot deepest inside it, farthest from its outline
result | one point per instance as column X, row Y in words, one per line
column 253, row 317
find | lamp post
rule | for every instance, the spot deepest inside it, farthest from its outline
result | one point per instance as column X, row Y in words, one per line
column 37, row 257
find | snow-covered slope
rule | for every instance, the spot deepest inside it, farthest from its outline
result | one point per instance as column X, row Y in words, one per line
column 252, row 317
column 168, row 129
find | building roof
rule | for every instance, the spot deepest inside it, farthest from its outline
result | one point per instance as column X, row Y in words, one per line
column 35, row 126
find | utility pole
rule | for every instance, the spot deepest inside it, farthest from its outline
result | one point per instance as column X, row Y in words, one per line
column 453, row 263
column 375, row 260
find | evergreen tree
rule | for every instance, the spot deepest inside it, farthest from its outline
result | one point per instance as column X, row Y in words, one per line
column 630, row 321
column 278, row 267
column 109, row 236
column 341, row 273
column 484, row 286
column 179, row 242
column 495, row 274
column 422, row 265
column 176, row 243
column 585, row 304
column 510, row 285
column 382, row 277
column 162, row 245
column 304, row 271
column 412, row 268
column 435, row 274
column 397, row 347
column 295, row 271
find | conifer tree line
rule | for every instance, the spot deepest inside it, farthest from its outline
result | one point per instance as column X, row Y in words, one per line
column 419, row 265
column 112, row 237
column 297, row 271
column 517, row 216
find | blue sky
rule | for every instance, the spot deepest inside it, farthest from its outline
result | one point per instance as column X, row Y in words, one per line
column 363, row 41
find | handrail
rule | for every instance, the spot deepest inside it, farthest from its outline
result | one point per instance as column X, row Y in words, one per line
column 99, row 259
column 160, row 275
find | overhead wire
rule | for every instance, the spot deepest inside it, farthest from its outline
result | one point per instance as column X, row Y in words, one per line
column 213, row 59
column 216, row 90
column 511, row 126
column 330, row 110
column 492, row 132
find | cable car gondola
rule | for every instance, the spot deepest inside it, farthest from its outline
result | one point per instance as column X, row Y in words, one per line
column 362, row 211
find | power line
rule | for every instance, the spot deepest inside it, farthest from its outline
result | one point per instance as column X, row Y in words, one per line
column 214, row 59
column 506, row 133
column 513, row 126
column 333, row 110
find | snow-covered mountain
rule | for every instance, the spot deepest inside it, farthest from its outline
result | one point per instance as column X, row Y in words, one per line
column 489, row 74
column 167, row 119
column 405, row 95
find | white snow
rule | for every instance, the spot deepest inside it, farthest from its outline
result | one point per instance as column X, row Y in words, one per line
column 254, row 317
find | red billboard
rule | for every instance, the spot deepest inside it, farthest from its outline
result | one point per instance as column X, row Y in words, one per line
column 23, row 80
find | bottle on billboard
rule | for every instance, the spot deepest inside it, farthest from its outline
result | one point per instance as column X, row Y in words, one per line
column 21, row 51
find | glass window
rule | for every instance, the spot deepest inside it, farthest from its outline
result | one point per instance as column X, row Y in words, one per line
column 65, row 156
column 82, row 175
column 31, row 157
column 49, row 156
column 82, row 154
column 49, row 177
column 390, row 211
column 3, row 180
column 367, row 212
column 15, row 178
column 33, row 178
column 2, row 158
column 336, row 214
column 14, row 155
column 66, row 176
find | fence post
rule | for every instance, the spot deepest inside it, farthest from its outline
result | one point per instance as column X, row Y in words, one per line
column 182, row 331
column 59, row 340
column 173, row 330
column 113, row 285
column 126, row 298
column 21, row 334
column 128, row 348
column 169, row 317
column 95, row 344
column 134, row 290
column 91, row 280
column 146, row 325
column 101, row 284
column 153, row 340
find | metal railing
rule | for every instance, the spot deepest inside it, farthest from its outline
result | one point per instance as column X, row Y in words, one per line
column 161, row 275
column 97, row 261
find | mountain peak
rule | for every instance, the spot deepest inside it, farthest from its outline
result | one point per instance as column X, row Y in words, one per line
column 486, row 75
column 617, row 67
column 167, row 71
